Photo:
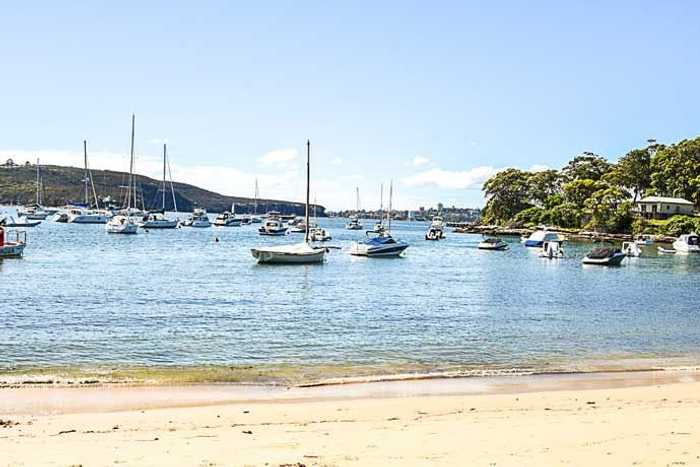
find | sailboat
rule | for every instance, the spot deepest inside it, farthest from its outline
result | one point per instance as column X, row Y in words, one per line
column 123, row 223
column 380, row 244
column 316, row 232
column 80, row 215
column 354, row 222
column 379, row 226
column 228, row 218
column 300, row 253
column 255, row 219
column 37, row 212
column 158, row 219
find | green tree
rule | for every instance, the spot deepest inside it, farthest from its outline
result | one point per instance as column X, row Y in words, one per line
column 543, row 185
column 633, row 172
column 676, row 171
column 585, row 166
column 507, row 194
column 578, row 191
column 610, row 209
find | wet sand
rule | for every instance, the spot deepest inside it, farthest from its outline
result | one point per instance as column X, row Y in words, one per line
column 631, row 418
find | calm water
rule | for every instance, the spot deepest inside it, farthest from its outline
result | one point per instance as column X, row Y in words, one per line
column 81, row 296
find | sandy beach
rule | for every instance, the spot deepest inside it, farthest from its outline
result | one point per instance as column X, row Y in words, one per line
column 631, row 418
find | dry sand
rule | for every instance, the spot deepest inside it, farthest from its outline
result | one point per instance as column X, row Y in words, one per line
column 619, row 419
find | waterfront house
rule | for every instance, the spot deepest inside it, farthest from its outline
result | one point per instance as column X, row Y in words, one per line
column 661, row 207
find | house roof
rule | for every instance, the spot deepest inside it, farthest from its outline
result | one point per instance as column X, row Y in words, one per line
column 663, row 199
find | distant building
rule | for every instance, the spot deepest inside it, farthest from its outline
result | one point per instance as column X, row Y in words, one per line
column 660, row 207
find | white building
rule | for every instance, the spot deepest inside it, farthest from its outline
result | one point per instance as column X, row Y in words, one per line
column 660, row 207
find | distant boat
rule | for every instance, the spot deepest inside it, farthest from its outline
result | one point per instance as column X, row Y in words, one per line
column 632, row 249
column 12, row 247
column 380, row 244
column 273, row 227
column 436, row 231
column 36, row 212
column 300, row 253
column 199, row 219
column 124, row 223
column 255, row 218
column 552, row 250
column 645, row 239
column 537, row 239
column 689, row 243
column 604, row 257
column 158, row 219
column 493, row 244
column 354, row 222
column 86, row 215
column 227, row 219
column 9, row 217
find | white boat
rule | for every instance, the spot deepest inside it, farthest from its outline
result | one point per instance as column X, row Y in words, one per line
column 666, row 251
column 158, row 219
column 689, row 243
column 12, row 246
column 318, row 234
column 273, row 227
column 495, row 244
column 301, row 253
column 632, row 249
column 552, row 250
column 354, row 222
column 88, row 216
column 645, row 239
column 382, row 243
column 255, row 219
column 198, row 219
column 9, row 217
column 246, row 219
column 604, row 257
column 36, row 212
column 227, row 219
column 537, row 238
column 126, row 224
column 436, row 231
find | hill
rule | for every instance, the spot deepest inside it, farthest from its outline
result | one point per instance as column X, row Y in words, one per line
column 61, row 185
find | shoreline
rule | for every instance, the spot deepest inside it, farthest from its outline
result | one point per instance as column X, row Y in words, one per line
column 613, row 418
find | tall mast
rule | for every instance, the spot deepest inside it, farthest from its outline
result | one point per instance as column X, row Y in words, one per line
column 86, row 171
column 172, row 188
column 164, row 155
column 308, row 177
column 38, row 183
column 132, row 182
column 391, row 194
column 255, row 208
column 381, row 203
column 357, row 200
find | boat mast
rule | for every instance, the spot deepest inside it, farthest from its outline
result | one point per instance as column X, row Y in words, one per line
column 132, row 182
column 308, row 177
column 381, row 203
column 357, row 200
column 38, row 183
column 164, row 155
column 391, row 194
column 255, row 206
column 88, row 177
column 86, row 172
column 172, row 188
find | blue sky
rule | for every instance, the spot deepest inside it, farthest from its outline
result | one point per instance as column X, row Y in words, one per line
column 434, row 95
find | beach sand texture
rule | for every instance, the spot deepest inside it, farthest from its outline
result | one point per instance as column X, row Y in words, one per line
column 656, row 422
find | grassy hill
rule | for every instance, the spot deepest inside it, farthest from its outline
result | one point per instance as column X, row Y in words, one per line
column 65, row 184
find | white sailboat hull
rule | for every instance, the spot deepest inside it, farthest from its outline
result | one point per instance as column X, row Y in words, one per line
column 289, row 254
column 121, row 225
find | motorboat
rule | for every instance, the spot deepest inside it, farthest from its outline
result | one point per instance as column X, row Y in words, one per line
column 34, row 213
column 632, row 249
column 493, row 243
column 604, row 257
column 125, row 223
column 88, row 216
column 436, row 231
column 552, row 250
column 689, row 243
column 273, row 227
column 645, row 239
column 198, row 219
column 256, row 219
column 227, row 219
column 300, row 253
column 378, row 245
column 61, row 216
column 120, row 224
column 537, row 238
column 9, row 217
column 317, row 234
column 666, row 251
column 12, row 243
column 300, row 227
column 158, row 220
column 246, row 219
column 354, row 223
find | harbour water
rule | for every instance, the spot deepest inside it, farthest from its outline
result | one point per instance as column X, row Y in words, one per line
column 81, row 297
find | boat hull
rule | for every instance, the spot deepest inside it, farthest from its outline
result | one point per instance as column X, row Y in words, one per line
column 615, row 260
column 159, row 224
column 88, row 219
column 384, row 252
column 12, row 250
column 277, row 257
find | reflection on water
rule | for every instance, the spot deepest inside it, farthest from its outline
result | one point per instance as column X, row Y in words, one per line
column 81, row 296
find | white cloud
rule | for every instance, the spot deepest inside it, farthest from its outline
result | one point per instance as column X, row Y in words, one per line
column 420, row 161
column 538, row 168
column 279, row 158
column 454, row 180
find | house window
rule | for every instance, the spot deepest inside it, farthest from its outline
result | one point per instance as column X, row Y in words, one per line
column 644, row 208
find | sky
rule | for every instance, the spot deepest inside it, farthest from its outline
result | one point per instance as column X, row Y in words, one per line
column 434, row 96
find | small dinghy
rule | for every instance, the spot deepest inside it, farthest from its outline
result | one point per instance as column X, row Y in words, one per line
column 495, row 244
column 12, row 247
column 604, row 257
column 666, row 251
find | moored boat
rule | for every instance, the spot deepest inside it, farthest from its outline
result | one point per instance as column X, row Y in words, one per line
column 632, row 249
column 124, row 223
column 688, row 243
column 273, row 227
column 552, row 250
column 537, row 238
column 604, row 257
column 12, row 246
column 199, row 219
column 492, row 243
column 227, row 219
column 380, row 244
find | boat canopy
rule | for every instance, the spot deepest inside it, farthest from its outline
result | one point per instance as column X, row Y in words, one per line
column 602, row 253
